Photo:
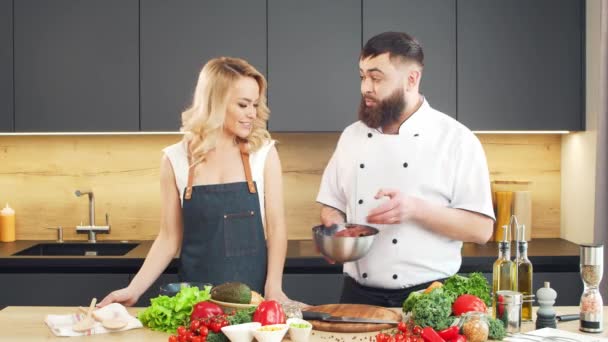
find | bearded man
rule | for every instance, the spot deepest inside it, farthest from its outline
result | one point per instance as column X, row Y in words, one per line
column 414, row 173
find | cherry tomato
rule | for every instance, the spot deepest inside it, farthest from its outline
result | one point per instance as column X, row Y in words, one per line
column 203, row 331
column 181, row 330
column 382, row 337
column 399, row 337
column 402, row 326
column 197, row 339
column 417, row 330
column 194, row 325
column 189, row 335
column 172, row 338
column 181, row 338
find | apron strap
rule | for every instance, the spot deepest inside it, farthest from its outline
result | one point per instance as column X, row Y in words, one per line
column 246, row 166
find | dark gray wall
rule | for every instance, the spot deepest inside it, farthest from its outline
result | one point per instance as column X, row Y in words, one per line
column 432, row 22
column 76, row 65
column 313, row 52
column 519, row 64
column 178, row 38
column 6, row 65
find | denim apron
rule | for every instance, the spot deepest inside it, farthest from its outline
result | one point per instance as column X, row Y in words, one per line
column 223, row 237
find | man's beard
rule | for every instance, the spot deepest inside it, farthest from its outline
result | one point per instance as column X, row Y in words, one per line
column 385, row 112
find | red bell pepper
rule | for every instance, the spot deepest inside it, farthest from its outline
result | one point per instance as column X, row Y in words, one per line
column 449, row 333
column 466, row 303
column 269, row 312
column 204, row 310
column 430, row 335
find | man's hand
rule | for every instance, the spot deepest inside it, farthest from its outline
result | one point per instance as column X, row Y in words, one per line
column 398, row 209
column 331, row 216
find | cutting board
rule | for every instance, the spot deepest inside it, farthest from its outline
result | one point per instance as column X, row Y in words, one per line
column 354, row 310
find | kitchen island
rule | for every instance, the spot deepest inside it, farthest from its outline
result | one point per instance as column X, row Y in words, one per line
column 27, row 324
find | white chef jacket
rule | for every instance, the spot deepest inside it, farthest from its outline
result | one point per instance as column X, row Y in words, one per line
column 434, row 158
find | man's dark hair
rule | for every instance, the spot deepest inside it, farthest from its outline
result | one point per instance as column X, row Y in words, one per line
column 398, row 44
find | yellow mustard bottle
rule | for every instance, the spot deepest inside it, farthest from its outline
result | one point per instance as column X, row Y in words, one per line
column 7, row 224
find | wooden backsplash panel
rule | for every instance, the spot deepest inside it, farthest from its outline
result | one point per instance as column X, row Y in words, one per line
column 39, row 174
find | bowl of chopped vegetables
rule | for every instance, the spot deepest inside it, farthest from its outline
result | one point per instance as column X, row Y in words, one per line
column 299, row 330
column 270, row 333
column 344, row 242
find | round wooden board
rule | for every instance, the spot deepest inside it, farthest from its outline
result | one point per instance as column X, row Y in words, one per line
column 354, row 310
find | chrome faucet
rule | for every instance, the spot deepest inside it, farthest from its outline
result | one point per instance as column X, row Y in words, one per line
column 92, row 229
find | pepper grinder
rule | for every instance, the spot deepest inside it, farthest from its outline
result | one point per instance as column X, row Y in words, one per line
column 592, row 269
column 545, row 316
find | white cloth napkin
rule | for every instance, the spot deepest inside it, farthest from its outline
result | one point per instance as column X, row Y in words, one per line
column 555, row 335
column 61, row 325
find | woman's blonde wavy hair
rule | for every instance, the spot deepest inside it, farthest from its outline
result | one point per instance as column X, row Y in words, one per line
column 203, row 122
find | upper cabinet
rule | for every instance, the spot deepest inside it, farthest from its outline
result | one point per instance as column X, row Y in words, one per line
column 313, row 54
column 432, row 22
column 178, row 38
column 76, row 65
column 6, row 65
column 520, row 64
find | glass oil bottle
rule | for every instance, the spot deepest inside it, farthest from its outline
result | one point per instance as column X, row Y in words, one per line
column 524, row 274
column 504, row 276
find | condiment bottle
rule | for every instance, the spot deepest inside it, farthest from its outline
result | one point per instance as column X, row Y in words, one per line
column 7, row 224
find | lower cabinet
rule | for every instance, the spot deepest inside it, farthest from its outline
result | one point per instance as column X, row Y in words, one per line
column 313, row 289
column 154, row 289
column 57, row 289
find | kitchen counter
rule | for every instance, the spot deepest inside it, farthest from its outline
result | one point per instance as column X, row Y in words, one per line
column 547, row 255
column 27, row 324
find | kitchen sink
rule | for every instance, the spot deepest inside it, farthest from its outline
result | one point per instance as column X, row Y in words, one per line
column 78, row 249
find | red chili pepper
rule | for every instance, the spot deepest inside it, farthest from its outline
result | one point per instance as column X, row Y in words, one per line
column 449, row 333
column 430, row 335
column 459, row 338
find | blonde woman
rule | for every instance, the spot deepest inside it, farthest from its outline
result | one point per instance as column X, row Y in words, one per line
column 221, row 190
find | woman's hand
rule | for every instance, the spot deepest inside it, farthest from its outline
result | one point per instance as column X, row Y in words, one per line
column 277, row 295
column 124, row 296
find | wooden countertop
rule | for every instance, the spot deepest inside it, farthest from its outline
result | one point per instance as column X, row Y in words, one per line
column 27, row 324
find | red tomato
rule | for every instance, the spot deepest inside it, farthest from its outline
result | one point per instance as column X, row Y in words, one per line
column 172, row 338
column 182, row 338
column 402, row 326
column 466, row 303
column 194, row 325
column 203, row 331
column 197, row 339
column 181, row 331
column 417, row 330
column 382, row 337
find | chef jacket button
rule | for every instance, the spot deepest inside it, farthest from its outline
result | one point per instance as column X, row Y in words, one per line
column 405, row 164
column 394, row 241
column 361, row 165
column 360, row 201
column 364, row 275
column 416, row 134
column 394, row 276
column 369, row 135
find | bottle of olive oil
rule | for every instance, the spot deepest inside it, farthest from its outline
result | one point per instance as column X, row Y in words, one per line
column 524, row 275
column 504, row 275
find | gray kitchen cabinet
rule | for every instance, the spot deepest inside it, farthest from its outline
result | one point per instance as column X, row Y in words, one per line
column 313, row 54
column 178, row 38
column 76, row 65
column 6, row 65
column 433, row 23
column 520, row 64
column 57, row 289
column 313, row 289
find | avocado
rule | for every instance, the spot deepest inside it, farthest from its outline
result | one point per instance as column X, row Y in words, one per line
column 232, row 293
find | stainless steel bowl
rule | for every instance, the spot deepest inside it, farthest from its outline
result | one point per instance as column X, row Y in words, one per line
column 172, row 289
column 343, row 249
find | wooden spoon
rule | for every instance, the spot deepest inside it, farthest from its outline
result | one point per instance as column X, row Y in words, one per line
column 87, row 323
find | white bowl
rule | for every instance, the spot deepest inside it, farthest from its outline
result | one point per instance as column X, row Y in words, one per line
column 299, row 334
column 270, row 336
column 240, row 332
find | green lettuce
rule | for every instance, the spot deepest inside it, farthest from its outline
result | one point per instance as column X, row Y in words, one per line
column 167, row 313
